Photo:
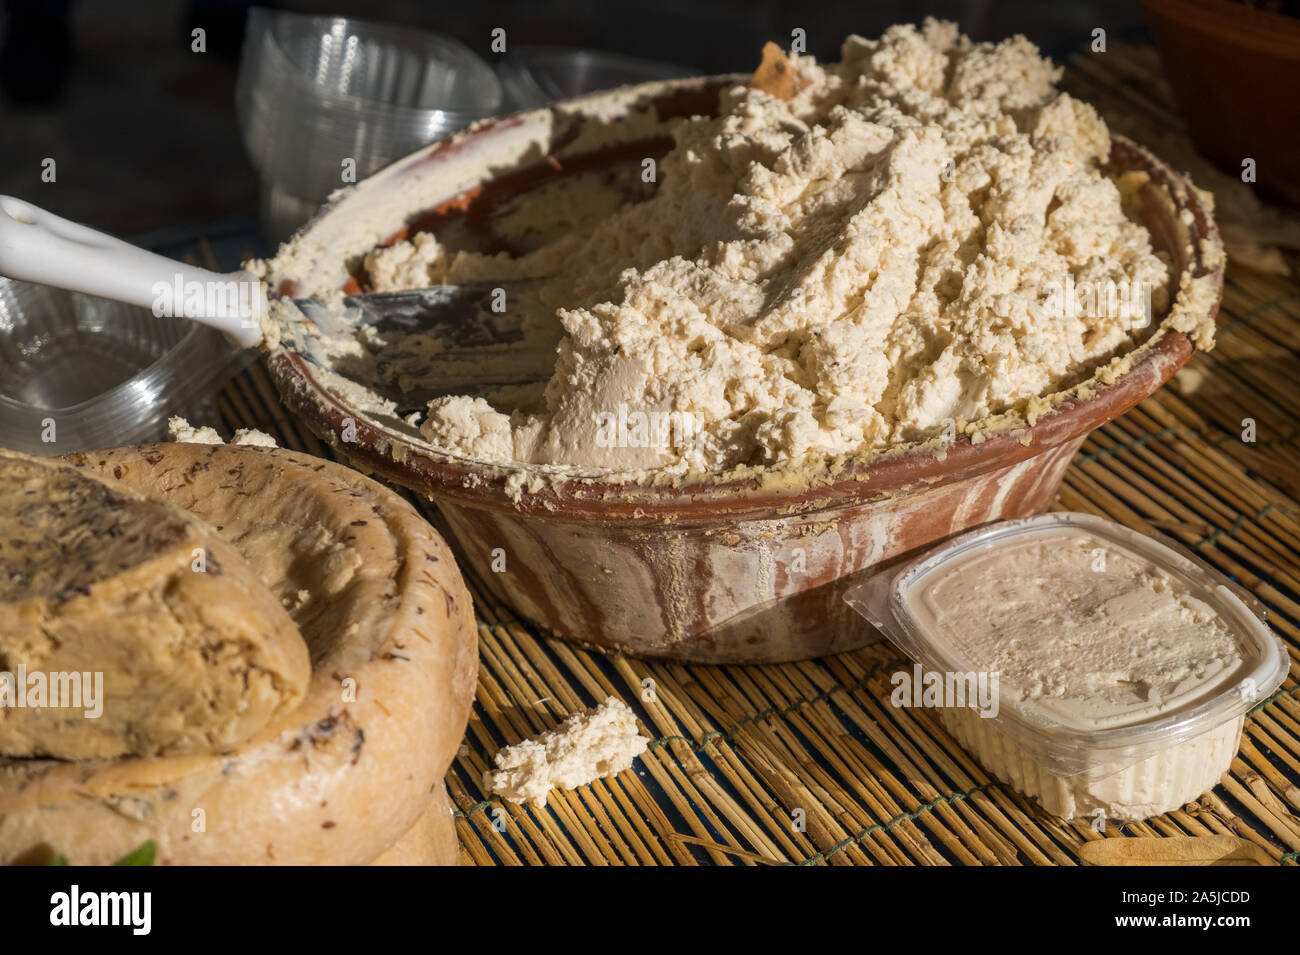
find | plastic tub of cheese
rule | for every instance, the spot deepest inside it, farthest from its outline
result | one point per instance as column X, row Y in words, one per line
column 1097, row 670
column 804, row 481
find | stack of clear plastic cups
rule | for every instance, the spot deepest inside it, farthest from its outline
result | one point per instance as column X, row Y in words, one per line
column 535, row 76
column 325, row 101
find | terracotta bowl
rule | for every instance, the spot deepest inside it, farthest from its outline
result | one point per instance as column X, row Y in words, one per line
column 746, row 568
column 1236, row 73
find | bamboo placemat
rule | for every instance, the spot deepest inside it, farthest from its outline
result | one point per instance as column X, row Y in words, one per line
column 739, row 753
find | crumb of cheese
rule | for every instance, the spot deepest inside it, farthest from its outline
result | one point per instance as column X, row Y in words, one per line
column 587, row 746
column 251, row 437
column 180, row 430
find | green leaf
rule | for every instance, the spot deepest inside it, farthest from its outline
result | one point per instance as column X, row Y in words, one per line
column 142, row 854
column 58, row 860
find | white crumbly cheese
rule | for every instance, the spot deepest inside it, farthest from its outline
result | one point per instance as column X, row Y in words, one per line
column 585, row 747
column 1079, row 631
column 251, row 437
column 846, row 270
column 180, row 430
column 406, row 264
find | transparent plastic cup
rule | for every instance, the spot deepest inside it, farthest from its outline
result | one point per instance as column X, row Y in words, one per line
column 324, row 101
column 535, row 76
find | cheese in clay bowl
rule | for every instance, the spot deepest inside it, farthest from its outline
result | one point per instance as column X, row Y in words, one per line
column 749, row 562
column 176, row 645
column 339, row 780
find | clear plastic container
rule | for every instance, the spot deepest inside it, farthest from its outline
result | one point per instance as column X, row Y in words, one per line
column 535, row 76
column 1131, row 768
column 314, row 91
column 90, row 373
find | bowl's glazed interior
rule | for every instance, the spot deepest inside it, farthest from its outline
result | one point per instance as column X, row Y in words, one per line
column 746, row 566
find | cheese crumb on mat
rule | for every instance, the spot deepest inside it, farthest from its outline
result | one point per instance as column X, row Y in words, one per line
column 587, row 746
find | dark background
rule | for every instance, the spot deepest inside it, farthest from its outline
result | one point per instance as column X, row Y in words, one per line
column 143, row 130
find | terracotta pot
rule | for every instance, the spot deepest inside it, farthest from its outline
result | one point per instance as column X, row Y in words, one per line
column 1236, row 74
column 748, row 568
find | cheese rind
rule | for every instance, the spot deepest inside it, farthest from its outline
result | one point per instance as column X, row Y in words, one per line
column 587, row 746
column 431, row 841
column 159, row 636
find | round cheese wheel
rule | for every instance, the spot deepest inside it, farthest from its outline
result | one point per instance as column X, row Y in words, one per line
column 389, row 625
column 431, row 841
column 144, row 607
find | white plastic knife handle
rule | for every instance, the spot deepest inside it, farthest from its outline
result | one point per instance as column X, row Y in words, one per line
column 38, row 246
